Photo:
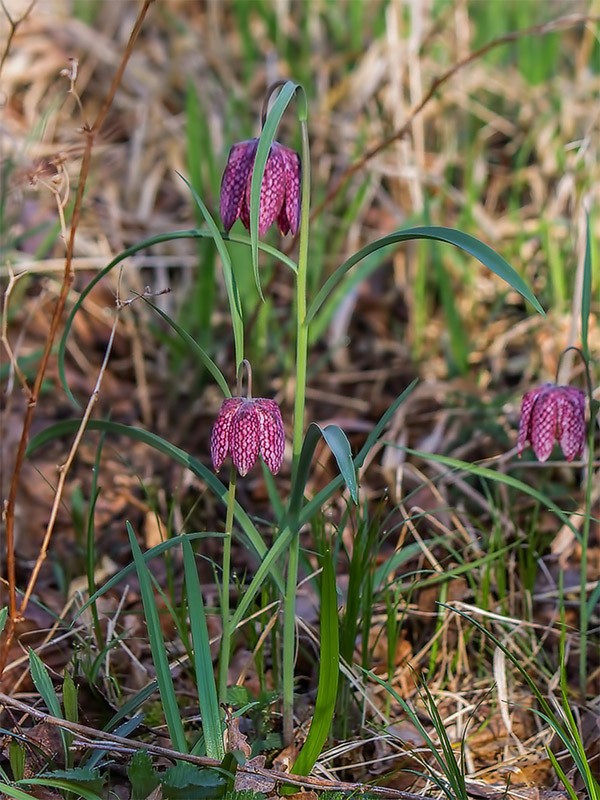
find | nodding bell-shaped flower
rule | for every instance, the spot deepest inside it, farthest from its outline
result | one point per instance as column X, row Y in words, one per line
column 551, row 413
column 279, row 193
column 243, row 429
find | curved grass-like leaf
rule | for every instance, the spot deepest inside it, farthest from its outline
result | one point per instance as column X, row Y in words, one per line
column 14, row 792
column 157, row 646
column 205, row 677
column 233, row 295
column 193, row 344
column 267, row 135
column 3, row 617
column 499, row 477
column 464, row 241
column 329, row 670
column 44, row 685
column 177, row 454
column 66, row 786
column 317, row 501
column 194, row 233
column 340, row 447
column 155, row 551
column 586, row 290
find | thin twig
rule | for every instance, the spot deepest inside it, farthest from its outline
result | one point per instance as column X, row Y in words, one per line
column 14, row 24
column 119, row 742
column 91, row 134
column 562, row 23
column 14, row 364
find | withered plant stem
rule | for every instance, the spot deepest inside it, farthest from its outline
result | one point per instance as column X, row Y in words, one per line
column 14, row 24
column 90, row 136
column 119, row 742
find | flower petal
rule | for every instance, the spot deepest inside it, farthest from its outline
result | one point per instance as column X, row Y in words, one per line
column 235, row 179
column 571, row 421
column 524, row 423
column 244, row 437
column 219, row 440
column 544, row 418
column 291, row 207
column 272, row 433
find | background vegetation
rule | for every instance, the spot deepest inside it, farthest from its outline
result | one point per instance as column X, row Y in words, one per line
column 458, row 594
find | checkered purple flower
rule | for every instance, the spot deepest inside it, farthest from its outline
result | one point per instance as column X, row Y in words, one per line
column 551, row 413
column 243, row 429
column 280, row 190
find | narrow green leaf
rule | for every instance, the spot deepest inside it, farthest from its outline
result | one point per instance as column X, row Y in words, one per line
column 3, row 617
column 196, row 348
column 122, row 730
column 464, row 241
column 586, row 292
column 499, row 477
column 17, row 794
column 155, row 551
column 561, row 774
column 157, row 646
column 262, row 153
column 233, row 295
column 340, row 447
column 131, row 251
column 67, row 786
column 314, row 505
column 70, row 698
column 329, row 670
column 160, row 444
column 205, row 678
column 43, row 683
column 16, row 758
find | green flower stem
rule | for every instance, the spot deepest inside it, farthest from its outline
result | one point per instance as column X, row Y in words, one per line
column 585, row 536
column 289, row 614
column 225, row 614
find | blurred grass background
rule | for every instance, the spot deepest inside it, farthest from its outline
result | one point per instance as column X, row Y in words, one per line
column 507, row 149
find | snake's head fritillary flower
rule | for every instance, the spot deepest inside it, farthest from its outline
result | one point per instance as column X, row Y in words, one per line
column 551, row 413
column 279, row 193
column 243, row 429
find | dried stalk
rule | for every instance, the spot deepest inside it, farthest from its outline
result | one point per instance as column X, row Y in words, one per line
column 111, row 741
column 562, row 23
column 14, row 24
column 9, row 512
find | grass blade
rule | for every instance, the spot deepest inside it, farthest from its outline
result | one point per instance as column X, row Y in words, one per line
column 177, row 454
column 44, row 685
column 267, row 135
column 233, row 295
column 157, row 646
column 586, row 292
column 329, row 671
column 205, row 679
column 464, row 241
column 196, row 348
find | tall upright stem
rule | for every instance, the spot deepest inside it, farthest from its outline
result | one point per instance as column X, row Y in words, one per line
column 289, row 617
column 225, row 615
column 585, row 537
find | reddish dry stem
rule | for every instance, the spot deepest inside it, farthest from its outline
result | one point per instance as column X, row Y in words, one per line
column 14, row 614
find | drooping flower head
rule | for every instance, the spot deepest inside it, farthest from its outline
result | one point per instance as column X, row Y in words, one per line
column 244, row 428
column 279, row 193
column 551, row 413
